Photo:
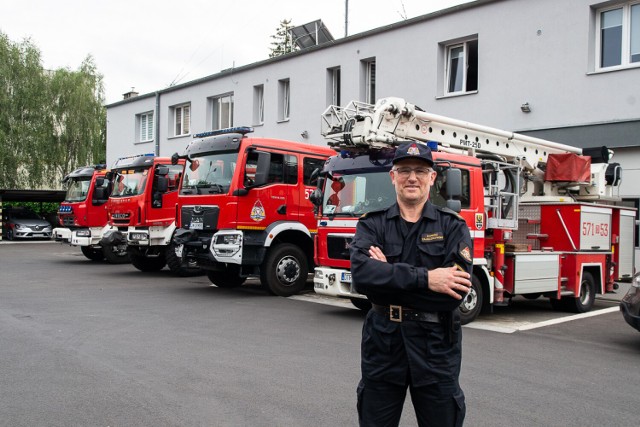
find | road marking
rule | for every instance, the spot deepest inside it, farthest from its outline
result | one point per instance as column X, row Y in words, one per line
column 513, row 326
column 500, row 324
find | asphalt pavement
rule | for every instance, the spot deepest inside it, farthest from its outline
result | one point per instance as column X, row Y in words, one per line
column 92, row 344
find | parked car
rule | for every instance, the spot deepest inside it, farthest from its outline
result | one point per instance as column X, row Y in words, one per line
column 23, row 223
column 630, row 304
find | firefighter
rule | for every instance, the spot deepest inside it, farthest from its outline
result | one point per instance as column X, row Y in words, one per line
column 413, row 261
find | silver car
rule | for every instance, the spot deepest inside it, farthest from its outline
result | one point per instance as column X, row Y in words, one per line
column 23, row 223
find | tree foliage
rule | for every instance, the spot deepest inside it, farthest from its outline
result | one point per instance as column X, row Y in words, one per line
column 282, row 41
column 50, row 121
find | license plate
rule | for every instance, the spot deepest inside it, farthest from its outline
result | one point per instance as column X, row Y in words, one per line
column 196, row 224
column 345, row 277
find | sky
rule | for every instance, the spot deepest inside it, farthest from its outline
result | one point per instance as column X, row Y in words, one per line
column 148, row 45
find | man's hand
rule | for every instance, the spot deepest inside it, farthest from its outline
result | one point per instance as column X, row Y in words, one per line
column 376, row 253
column 448, row 280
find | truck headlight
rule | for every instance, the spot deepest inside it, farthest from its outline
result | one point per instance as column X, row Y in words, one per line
column 83, row 233
column 229, row 239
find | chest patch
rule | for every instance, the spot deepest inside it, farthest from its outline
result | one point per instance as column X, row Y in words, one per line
column 431, row 237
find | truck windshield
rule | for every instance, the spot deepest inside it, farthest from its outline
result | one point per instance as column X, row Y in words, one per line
column 77, row 189
column 129, row 182
column 209, row 174
column 354, row 195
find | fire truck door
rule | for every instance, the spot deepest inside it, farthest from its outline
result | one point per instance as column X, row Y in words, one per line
column 273, row 201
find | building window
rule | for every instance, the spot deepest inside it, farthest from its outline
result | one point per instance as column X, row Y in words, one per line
column 284, row 98
column 258, row 105
column 369, row 89
column 618, row 43
column 144, row 123
column 222, row 112
column 182, row 119
column 333, row 86
column 461, row 63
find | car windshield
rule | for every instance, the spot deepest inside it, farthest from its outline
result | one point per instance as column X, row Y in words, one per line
column 209, row 174
column 78, row 189
column 129, row 182
column 24, row 214
column 354, row 195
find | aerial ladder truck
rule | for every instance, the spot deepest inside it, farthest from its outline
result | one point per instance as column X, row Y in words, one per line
column 542, row 215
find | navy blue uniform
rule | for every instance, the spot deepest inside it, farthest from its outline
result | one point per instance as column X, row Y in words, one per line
column 423, row 354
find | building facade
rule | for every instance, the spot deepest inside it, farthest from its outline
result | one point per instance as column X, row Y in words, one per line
column 567, row 70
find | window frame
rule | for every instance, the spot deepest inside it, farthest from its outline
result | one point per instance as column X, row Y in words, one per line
column 625, row 43
column 258, row 105
column 179, row 112
column 334, row 85
column 145, row 121
column 467, row 65
column 284, row 104
column 370, row 72
column 217, row 111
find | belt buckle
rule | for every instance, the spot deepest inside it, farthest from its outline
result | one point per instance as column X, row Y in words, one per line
column 395, row 313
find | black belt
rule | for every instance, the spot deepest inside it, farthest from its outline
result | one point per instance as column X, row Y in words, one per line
column 398, row 313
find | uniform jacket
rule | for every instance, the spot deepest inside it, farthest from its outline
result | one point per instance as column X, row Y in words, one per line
column 441, row 239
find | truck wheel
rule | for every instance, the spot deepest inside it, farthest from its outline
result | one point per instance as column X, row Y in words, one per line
column 587, row 296
column 471, row 304
column 175, row 263
column 92, row 253
column 284, row 271
column 116, row 253
column 362, row 304
column 227, row 278
column 144, row 263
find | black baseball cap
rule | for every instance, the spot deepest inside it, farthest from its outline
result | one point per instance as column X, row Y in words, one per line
column 413, row 150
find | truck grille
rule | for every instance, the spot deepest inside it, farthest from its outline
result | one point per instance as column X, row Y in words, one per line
column 338, row 246
column 203, row 218
column 68, row 220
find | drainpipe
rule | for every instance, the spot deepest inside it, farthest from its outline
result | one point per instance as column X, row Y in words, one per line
column 157, row 122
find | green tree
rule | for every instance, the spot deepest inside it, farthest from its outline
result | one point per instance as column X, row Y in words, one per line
column 282, row 42
column 50, row 121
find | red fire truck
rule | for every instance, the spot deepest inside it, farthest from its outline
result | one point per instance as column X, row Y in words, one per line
column 142, row 210
column 244, row 208
column 542, row 215
column 83, row 214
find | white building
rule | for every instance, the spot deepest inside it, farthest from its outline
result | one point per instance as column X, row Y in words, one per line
column 564, row 70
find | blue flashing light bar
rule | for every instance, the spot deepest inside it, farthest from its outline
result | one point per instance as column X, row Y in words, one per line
column 136, row 156
column 240, row 129
column 433, row 145
column 65, row 209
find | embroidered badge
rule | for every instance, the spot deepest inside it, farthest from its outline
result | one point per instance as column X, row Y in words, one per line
column 465, row 253
column 431, row 237
column 413, row 150
column 257, row 212
column 479, row 221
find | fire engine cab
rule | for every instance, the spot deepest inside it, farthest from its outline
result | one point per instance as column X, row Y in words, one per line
column 83, row 214
column 542, row 215
column 244, row 208
column 142, row 210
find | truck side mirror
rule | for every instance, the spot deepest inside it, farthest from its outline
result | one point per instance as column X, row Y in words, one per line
column 100, row 182
column 109, row 175
column 262, row 170
column 453, row 188
column 100, row 196
column 174, row 158
column 316, row 197
column 162, row 184
column 162, row 170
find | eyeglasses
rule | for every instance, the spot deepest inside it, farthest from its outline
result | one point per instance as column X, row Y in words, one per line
column 405, row 172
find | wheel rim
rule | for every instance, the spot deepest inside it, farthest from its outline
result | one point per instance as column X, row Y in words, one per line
column 470, row 301
column 585, row 293
column 288, row 270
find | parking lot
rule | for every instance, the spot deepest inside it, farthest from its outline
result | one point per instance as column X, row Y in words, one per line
column 87, row 343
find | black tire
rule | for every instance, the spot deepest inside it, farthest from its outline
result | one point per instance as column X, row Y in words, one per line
column 584, row 301
column 94, row 254
column 532, row 296
column 284, row 271
column 558, row 304
column 146, row 264
column 227, row 278
column 362, row 304
column 116, row 253
column 10, row 235
column 471, row 305
column 175, row 263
